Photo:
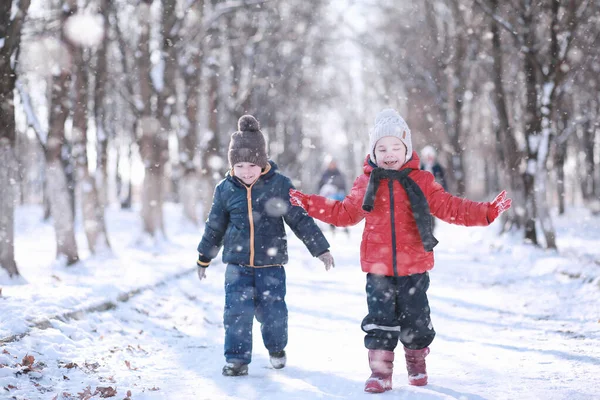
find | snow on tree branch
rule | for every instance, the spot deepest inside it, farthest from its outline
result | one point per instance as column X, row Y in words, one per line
column 32, row 119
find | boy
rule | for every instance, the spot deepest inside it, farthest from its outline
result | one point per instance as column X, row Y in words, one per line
column 248, row 211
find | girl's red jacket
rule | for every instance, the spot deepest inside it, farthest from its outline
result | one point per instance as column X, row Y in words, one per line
column 380, row 239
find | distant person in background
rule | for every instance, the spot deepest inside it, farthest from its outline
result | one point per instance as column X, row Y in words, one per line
column 430, row 164
column 333, row 186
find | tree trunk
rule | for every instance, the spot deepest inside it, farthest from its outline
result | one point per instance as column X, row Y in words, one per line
column 188, row 142
column 507, row 148
column 541, row 190
column 151, row 140
column 559, row 162
column 8, row 180
column 560, row 155
column 10, row 34
column 532, row 132
column 92, row 211
column 101, row 79
column 151, row 147
column 587, row 149
column 127, row 187
column 211, row 168
column 292, row 143
column 61, row 206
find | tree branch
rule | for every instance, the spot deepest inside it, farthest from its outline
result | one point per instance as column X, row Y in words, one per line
column 32, row 119
column 504, row 24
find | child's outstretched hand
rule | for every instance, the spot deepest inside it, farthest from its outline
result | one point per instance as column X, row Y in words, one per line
column 201, row 273
column 500, row 204
column 297, row 198
column 327, row 259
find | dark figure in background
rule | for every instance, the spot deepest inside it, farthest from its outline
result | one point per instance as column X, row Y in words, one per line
column 333, row 186
column 429, row 163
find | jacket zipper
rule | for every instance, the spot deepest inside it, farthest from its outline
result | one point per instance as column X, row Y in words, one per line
column 250, row 215
column 251, row 219
column 393, row 217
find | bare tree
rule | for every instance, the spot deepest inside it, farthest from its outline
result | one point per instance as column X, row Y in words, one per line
column 509, row 154
column 542, row 34
column 92, row 210
column 59, row 196
column 10, row 38
column 100, row 71
column 151, row 138
column 190, row 59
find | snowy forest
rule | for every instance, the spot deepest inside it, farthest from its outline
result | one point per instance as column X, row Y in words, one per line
column 115, row 122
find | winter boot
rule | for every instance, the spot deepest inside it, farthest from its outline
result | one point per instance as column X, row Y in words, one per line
column 381, row 363
column 278, row 359
column 235, row 369
column 415, row 364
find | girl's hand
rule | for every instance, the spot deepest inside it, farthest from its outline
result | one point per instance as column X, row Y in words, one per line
column 201, row 272
column 500, row 204
column 299, row 199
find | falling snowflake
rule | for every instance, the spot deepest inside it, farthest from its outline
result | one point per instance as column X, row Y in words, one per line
column 276, row 207
column 85, row 30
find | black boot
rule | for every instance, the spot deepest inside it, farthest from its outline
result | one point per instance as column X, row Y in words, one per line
column 235, row 369
column 278, row 359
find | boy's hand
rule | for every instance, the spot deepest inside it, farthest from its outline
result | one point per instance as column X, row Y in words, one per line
column 297, row 198
column 327, row 259
column 500, row 204
column 201, row 272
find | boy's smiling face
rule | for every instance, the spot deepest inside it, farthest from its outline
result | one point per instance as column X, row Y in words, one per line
column 247, row 172
column 390, row 153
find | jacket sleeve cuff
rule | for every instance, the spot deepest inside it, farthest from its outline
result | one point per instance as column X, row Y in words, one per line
column 323, row 252
column 203, row 261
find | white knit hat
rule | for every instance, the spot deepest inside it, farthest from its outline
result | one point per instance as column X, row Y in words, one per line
column 428, row 151
column 389, row 123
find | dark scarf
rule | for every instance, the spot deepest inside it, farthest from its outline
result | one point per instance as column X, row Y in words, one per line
column 418, row 202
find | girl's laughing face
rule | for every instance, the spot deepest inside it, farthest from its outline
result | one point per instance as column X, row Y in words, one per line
column 390, row 153
column 247, row 172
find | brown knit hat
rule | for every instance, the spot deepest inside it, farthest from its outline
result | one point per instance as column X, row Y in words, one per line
column 248, row 143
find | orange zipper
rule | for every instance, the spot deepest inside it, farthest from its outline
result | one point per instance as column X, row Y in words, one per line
column 251, row 219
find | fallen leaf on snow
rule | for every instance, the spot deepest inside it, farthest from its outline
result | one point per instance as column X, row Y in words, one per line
column 27, row 361
column 129, row 366
column 86, row 394
column 106, row 391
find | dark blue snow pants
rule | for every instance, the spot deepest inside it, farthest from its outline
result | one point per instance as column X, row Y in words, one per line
column 251, row 292
column 398, row 310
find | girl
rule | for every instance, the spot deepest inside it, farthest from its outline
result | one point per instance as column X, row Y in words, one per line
column 397, row 199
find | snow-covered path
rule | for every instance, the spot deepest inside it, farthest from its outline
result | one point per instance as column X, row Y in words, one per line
column 512, row 323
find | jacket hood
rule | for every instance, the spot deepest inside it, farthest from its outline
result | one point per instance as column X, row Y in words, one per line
column 413, row 163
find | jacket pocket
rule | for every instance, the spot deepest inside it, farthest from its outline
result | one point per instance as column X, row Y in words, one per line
column 377, row 247
column 236, row 241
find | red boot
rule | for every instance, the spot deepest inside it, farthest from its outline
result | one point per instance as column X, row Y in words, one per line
column 381, row 363
column 415, row 364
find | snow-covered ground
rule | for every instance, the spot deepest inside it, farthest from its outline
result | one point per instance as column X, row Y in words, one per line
column 512, row 322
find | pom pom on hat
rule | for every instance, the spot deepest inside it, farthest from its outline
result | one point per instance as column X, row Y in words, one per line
column 248, row 143
column 389, row 123
column 248, row 123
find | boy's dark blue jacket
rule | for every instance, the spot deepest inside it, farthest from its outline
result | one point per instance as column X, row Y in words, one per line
column 248, row 222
